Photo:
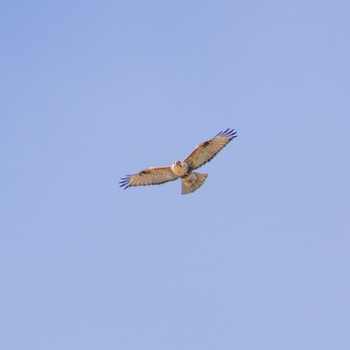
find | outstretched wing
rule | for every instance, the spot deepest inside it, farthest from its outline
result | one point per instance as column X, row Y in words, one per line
column 207, row 150
column 149, row 176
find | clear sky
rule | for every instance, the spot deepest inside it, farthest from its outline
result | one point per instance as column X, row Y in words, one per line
column 257, row 258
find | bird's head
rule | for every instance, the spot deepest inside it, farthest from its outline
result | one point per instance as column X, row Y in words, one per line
column 177, row 163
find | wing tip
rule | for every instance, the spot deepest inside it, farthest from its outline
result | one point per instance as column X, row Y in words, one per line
column 124, row 182
column 228, row 133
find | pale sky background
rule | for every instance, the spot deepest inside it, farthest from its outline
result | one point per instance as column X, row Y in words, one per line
column 257, row 258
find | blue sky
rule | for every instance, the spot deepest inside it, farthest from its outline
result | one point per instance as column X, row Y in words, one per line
column 257, row 258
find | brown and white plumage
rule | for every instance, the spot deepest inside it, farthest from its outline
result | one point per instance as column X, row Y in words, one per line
column 149, row 176
column 207, row 150
column 191, row 180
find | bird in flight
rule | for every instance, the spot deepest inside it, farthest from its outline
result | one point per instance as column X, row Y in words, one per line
column 183, row 169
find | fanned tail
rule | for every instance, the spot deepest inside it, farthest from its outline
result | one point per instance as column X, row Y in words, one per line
column 192, row 182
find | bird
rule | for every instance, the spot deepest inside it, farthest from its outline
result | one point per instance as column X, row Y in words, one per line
column 183, row 169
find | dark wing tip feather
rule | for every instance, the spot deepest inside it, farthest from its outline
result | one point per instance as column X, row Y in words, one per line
column 229, row 133
column 124, row 182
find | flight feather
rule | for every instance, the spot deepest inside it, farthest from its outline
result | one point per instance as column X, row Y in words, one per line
column 207, row 150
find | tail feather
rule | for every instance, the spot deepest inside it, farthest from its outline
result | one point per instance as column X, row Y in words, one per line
column 193, row 182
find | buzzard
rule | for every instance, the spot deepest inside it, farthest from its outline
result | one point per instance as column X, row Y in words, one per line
column 191, row 180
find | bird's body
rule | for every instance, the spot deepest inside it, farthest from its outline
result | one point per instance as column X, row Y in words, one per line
column 181, row 169
column 191, row 180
